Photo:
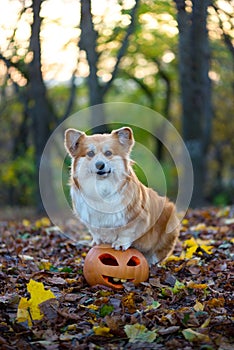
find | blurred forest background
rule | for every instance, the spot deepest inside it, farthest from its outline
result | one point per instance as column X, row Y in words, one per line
column 60, row 56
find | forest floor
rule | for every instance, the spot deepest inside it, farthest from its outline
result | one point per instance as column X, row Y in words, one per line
column 187, row 302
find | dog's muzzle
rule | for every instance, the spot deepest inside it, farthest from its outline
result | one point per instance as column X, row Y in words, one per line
column 100, row 166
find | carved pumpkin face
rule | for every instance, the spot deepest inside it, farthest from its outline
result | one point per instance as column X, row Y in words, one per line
column 107, row 266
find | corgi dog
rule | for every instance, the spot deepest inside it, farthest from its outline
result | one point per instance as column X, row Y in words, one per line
column 110, row 200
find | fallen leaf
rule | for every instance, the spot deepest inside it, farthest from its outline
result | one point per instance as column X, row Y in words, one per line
column 106, row 310
column 28, row 310
column 198, row 306
column 204, row 305
column 42, row 222
column 155, row 305
column 194, row 285
column 194, row 336
column 178, row 286
column 26, row 222
column 45, row 264
column 207, row 248
column 139, row 333
column 206, row 323
column 103, row 331
column 192, row 246
column 190, row 251
column 216, row 302
column 128, row 302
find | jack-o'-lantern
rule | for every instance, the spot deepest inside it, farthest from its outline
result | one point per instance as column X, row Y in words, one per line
column 107, row 266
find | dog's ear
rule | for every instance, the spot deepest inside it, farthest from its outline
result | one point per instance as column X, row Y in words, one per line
column 71, row 142
column 125, row 137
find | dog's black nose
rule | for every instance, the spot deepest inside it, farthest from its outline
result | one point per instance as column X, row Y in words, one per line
column 100, row 165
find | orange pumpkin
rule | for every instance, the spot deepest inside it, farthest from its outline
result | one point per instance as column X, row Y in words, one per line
column 107, row 266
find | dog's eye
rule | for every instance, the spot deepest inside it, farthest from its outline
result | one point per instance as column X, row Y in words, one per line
column 108, row 153
column 90, row 154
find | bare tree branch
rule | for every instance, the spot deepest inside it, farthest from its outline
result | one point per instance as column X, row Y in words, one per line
column 165, row 77
column 124, row 46
column 143, row 86
column 71, row 97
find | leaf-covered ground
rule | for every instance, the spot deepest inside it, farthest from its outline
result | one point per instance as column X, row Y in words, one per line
column 187, row 303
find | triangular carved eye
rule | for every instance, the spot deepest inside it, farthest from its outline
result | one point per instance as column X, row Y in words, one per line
column 133, row 261
column 108, row 259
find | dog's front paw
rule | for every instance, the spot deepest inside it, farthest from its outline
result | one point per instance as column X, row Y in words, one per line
column 95, row 242
column 120, row 245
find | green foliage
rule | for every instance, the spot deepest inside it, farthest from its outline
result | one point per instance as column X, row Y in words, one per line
column 19, row 177
column 106, row 310
column 152, row 52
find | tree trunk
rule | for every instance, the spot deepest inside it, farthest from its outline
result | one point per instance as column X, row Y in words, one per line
column 195, row 89
column 88, row 43
column 39, row 108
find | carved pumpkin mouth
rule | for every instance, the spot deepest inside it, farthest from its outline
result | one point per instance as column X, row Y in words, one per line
column 110, row 260
column 116, row 282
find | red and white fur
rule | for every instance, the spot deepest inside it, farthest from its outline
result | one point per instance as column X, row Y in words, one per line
column 110, row 200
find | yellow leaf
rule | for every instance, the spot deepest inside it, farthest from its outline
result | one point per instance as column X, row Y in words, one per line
column 71, row 280
column 206, row 323
column 45, row 264
column 26, row 222
column 198, row 306
column 190, row 242
column 190, row 251
column 28, row 310
column 42, row 222
column 103, row 331
column 192, row 245
column 173, row 258
column 38, row 295
column 92, row 307
column 72, row 327
column 193, row 285
column 223, row 212
column 207, row 248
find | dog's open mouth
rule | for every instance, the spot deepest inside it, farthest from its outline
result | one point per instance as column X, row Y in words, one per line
column 103, row 173
column 116, row 282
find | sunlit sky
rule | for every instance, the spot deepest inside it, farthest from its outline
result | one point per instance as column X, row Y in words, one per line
column 60, row 31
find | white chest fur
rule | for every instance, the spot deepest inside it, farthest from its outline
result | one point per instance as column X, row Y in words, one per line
column 99, row 208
